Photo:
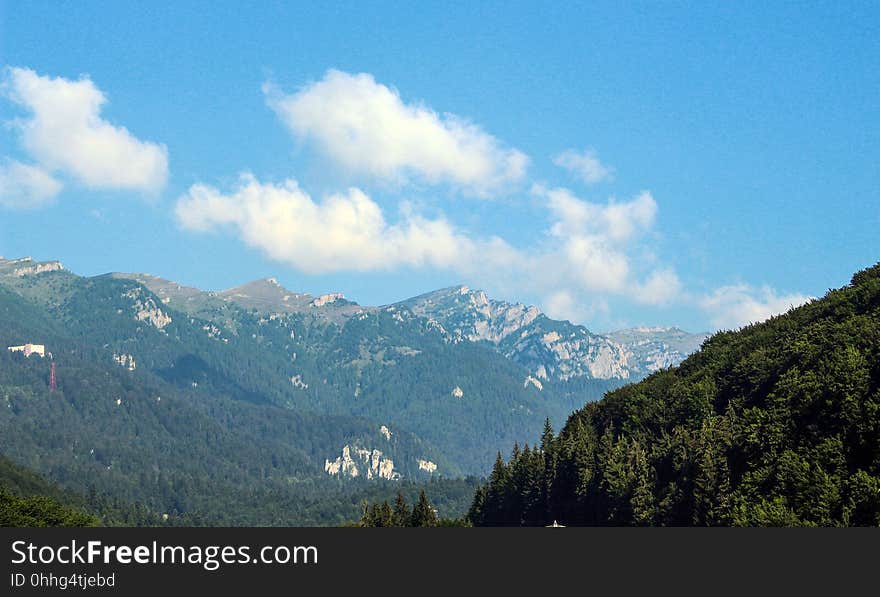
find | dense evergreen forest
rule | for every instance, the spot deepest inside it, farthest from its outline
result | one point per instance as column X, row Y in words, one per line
column 28, row 500
column 197, row 434
column 401, row 515
column 774, row 424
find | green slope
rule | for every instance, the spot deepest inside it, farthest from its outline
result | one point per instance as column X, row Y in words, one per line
column 222, row 451
column 28, row 500
column 774, row 424
column 222, row 412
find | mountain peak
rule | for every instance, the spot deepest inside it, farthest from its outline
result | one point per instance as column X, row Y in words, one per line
column 646, row 329
column 167, row 290
column 26, row 266
column 269, row 296
column 263, row 294
column 258, row 287
column 469, row 314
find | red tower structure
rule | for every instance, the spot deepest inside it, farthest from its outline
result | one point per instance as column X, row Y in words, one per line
column 52, row 382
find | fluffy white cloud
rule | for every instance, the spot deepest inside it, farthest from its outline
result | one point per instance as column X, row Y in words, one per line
column 590, row 243
column 64, row 131
column 662, row 287
column 584, row 259
column 734, row 306
column 616, row 221
column 564, row 304
column 23, row 186
column 368, row 129
column 345, row 231
column 585, row 165
column 590, row 254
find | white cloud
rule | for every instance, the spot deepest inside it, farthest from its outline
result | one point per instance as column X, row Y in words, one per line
column 662, row 287
column 734, row 306
column 346, row 231
column 616, row 221
column 595, row 264
column 585, row 165
column 64, row 131
column 563, row 304
column 23, row 186
column 589, row 254
column 585, row 257
column 591, row 243
column 367, row 128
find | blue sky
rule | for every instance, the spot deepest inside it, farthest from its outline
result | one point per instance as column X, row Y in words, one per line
column 652, row 164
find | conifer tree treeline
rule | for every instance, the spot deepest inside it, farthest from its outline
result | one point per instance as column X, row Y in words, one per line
column 422, row 514
column 775, row 424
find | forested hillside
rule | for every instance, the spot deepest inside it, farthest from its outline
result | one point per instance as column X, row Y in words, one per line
column 194, row 437
column 28, row 500
column 259, row 406
column 775, row 424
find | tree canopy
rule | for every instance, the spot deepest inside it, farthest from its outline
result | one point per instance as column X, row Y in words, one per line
column 775, row 424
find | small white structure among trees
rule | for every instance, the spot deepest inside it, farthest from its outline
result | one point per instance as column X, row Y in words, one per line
column 29, row 349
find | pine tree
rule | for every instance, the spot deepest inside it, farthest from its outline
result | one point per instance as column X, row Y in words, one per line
column 423, row 514
column 548, row 472
column 386, row 515
column 547, row 437
column 643, row 502
column 367, row 515
column 498, row 493
column 515, row 505
column 617, row 476
column 402, row 514
column 477, row 513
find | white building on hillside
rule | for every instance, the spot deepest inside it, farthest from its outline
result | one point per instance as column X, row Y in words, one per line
column 29, row 349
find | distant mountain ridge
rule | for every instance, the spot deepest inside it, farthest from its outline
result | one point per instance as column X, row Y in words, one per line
column 262, row 389
column 552, row 349
column 549, row 349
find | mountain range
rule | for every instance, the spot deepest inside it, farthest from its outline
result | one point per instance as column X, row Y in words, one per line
column 546, row 348
column 164, row 390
